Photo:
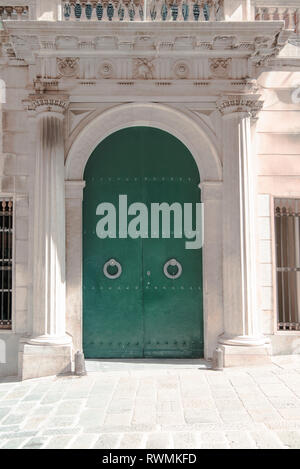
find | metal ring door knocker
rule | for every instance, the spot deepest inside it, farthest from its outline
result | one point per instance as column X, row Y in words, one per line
column 112, row 263
column 173, row 263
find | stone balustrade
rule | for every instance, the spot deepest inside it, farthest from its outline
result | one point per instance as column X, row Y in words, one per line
column 153, row 10
column 289, row 14
column 144, row 10
column 19, row 12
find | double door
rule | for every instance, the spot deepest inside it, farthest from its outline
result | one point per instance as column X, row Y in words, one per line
column 142, row 288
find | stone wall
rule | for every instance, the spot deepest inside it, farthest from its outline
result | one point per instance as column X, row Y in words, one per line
column 17, row 169
column 278, row 165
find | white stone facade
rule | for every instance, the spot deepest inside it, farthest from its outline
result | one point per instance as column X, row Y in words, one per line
column 226, row 89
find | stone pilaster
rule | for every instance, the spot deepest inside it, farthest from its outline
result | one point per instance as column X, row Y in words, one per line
column 74, row 195
column 242, row 340
column 48, row 350
column 211, row 197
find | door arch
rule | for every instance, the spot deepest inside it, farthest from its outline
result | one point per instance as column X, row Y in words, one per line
column 142, row 312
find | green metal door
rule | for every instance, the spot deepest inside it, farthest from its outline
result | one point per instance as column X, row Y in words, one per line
column 135, row 303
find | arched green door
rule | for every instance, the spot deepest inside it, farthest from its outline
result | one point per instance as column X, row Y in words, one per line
column 142, row 312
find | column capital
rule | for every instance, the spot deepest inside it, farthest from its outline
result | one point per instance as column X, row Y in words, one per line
column 40, row 103
column 250, row 105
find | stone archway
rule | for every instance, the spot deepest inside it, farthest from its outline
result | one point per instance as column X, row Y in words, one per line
column 192, row 135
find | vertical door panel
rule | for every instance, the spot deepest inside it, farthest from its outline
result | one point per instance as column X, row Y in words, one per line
column 113, row 308
column 172, row 307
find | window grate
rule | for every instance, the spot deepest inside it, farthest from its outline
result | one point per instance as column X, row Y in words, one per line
column 287, row 233
column 6, row 245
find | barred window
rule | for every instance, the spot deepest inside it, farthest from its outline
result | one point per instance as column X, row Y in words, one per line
column 6, row 246
column 287, row 233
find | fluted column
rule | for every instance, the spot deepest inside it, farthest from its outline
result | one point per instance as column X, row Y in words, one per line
column 49, row 224
column 241, row 315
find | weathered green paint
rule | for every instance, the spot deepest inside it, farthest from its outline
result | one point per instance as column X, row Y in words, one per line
column 140, row 315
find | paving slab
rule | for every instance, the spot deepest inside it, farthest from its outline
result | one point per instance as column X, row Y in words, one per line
column 155, row 405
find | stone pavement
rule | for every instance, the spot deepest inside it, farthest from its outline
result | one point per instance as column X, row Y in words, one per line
column 156, row 406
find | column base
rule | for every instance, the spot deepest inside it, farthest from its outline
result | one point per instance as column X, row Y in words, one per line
column 36, row 361
column 243, row 340
column 50, row 340
column 242, row 355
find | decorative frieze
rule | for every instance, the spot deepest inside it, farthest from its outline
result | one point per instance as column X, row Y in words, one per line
column 71, row 56
column 141, row 68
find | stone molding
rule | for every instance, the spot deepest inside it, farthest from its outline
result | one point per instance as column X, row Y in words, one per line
column 256, row 41
column 74, row 189
column 211, row 190
column 157, row 115
column 39, row 103
column 246, row 104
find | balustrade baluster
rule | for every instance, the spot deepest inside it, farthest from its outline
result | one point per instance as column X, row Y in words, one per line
column 271, row 13
column 286, row 18
column 99, row 11
column 9, row 12
column 153, row 9
column 78, row 10
column 88, row 10
column 292, row 21
column 121, row 11
column 185, row 10
column 19, row 11
column 209, row 11
column 258, row 15
column 140, row 11
column 276, row 16
column 265, row 15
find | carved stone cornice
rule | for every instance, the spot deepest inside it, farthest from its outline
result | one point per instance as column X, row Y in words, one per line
column 39, row 102
column 248, row 38
column 247, row 104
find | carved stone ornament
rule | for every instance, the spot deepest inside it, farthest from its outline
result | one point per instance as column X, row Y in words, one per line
column 224, row 42
column 25, row 43
column 219, row 68
column 263, row 42
column 181, row 69
column 249, row 104
column 37, row 103
column 66, row 42
column 143, row 69
column 106, row 70
column 67, row 66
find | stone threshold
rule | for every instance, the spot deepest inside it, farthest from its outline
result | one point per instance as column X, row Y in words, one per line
column 117, row 364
